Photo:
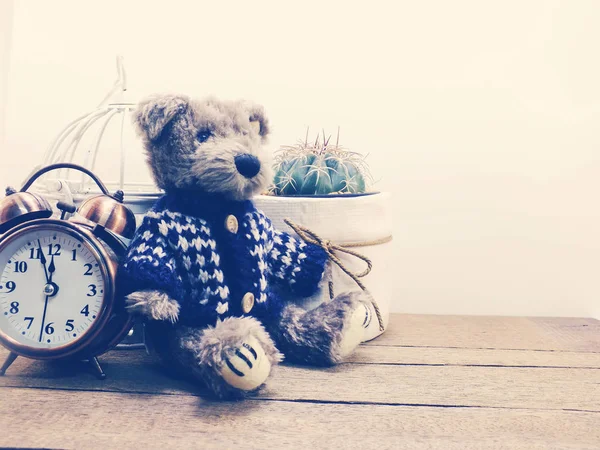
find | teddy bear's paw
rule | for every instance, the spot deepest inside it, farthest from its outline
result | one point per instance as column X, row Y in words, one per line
column 355, row 316
column 354, row 331
column 245, row 367
column 235, row 357
column 326, row 334
column 155, row 305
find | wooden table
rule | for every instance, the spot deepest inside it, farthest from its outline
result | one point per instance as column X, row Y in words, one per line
column 445, row 382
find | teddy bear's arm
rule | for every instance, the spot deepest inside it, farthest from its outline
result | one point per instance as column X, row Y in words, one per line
column 298, row 264
column 149, row 263
column 154, row 305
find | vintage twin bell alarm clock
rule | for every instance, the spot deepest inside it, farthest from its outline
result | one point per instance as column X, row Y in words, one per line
column 57, row 276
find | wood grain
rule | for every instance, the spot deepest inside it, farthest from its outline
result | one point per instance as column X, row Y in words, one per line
column 538, row 388
column 63, row 419
column 375, row 354
column 520, row 333
column 429, row 382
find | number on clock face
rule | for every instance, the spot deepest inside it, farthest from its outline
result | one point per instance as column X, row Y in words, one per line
column 51, row 288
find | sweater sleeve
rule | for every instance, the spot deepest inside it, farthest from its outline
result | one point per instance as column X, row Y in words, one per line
column 296, row 263
column 149, row 263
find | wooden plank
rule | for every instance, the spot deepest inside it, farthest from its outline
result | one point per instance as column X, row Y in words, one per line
column 62, row 419
column 541, row 388
column 520, row 333
column 374, row 354
column 577, row 389
column 434, row 356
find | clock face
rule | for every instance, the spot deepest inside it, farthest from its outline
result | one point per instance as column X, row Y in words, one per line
column 52, row 287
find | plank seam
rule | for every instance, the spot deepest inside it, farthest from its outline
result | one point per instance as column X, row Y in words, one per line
column 421, row 405
column 314, row 401
column 367, row 345
column 509, row 366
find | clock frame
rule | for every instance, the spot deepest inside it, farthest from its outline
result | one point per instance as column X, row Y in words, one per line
column 102, row 224
column 97, row 335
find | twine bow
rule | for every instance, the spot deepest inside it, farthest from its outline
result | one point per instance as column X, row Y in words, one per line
column 311, row 237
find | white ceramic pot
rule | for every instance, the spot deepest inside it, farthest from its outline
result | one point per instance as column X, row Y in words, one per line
column 343, row 220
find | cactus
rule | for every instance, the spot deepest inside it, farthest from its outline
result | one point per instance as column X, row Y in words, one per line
column 319, row 169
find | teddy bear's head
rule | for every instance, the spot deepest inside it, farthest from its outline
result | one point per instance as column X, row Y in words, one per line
column 206, row 145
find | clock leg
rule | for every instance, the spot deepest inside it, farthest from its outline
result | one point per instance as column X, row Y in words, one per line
column 9, row 360
column 97, row 368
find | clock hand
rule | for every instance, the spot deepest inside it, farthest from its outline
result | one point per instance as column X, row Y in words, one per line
column 43, row 261
column 43, row 319
column 51, row 269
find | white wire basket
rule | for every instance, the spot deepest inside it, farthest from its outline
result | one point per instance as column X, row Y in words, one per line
column 103, row 141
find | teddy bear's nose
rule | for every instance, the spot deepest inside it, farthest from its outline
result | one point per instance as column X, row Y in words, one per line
column 248, row 165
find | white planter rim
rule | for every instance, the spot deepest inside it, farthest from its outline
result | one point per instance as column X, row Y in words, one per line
column 358, row 194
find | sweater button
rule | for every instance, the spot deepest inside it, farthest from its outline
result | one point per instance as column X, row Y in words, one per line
column 231, row 223
column 248, row 302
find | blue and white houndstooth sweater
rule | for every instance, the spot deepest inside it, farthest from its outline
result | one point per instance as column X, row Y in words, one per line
column 190, row 247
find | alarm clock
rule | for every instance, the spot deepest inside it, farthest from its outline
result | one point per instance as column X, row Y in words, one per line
column 58, row 296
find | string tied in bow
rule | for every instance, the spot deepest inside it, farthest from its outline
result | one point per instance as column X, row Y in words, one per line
column 330, row 248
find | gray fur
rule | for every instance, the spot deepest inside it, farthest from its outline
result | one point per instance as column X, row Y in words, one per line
column 154, row 113
column 153, row 304
column 201, row 353
column 219, row 342
column 314, row 337
column 171, row 127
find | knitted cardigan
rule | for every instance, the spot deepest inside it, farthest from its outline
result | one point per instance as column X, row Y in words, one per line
column 184, row 248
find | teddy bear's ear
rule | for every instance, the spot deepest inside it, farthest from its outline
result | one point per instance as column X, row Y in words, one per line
column 154, row 113
column 258, row 119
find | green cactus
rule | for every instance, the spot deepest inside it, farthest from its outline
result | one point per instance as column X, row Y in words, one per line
column 319, row 169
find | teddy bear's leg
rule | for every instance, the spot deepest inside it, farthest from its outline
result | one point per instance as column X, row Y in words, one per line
column 233, row 358
column 324, row 335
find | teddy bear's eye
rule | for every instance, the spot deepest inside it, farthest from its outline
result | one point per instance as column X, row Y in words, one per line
column 203, row 135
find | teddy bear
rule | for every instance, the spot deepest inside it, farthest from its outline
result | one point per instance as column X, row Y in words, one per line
column 213, row 279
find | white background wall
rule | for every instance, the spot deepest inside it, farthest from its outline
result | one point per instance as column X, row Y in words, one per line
column 6, row 20
column 482, row 118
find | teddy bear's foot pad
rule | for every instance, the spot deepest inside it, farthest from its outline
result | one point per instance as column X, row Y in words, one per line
column 355, row 331
column 246, row 367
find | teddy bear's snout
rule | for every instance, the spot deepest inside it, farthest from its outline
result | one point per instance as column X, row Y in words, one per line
column 248, row 165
